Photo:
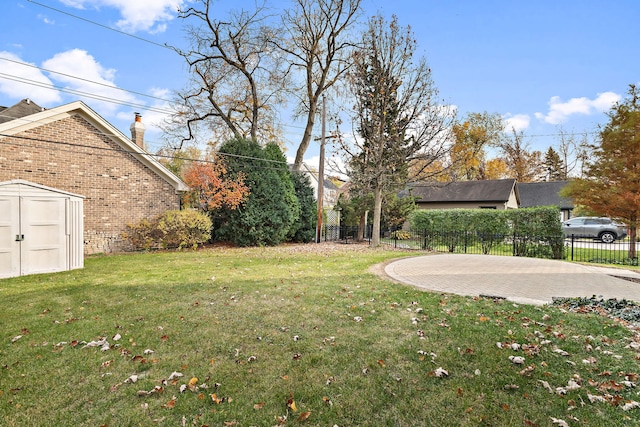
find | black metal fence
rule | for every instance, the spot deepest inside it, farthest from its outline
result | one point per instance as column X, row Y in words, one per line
column 469, row 242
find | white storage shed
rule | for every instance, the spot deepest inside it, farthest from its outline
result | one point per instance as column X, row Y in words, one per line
column 41, row 229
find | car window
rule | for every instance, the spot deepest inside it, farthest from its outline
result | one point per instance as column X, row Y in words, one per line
column 574, row 222
column 592, row 221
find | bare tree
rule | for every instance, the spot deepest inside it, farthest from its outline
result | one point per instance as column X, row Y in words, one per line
column 317, row 44
column 399, row 123
column 573, row 152
column 522, row 164
column 235, row 79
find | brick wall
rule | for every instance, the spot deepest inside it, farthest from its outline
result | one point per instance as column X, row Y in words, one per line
column 72, row 155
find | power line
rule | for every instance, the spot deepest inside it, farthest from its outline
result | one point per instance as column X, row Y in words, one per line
column 122, row 150
column 82, row 93
column 110, row 86
column 101, row 25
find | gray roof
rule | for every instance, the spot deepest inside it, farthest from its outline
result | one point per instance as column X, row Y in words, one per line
column 24, row 108
column 496, row 190
column 534, row 194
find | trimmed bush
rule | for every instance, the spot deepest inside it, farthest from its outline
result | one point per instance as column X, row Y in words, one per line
column 533, row 231
column 173, row 229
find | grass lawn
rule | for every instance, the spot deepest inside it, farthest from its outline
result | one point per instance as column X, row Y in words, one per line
column 296, row 335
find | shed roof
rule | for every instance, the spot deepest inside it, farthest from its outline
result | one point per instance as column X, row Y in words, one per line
column 20, row 185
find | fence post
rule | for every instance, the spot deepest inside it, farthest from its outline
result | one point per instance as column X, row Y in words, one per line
column 572, row 242
column 466, row 241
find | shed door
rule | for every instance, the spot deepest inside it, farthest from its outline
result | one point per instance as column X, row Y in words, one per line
column 33, row 236
column 44, row 248
column 9, row 229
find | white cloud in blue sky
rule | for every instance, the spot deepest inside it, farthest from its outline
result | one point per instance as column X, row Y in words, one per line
column 516, row 122
column 25, row 81
column 559, row 111
column 136, row 15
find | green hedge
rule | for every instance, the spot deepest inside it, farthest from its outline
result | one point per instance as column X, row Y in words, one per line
column 536, row 230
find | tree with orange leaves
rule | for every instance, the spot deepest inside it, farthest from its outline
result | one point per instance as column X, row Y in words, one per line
column 611, row 185
column 212, row 189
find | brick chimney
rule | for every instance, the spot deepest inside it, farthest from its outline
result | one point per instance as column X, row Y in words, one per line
column 137, row 131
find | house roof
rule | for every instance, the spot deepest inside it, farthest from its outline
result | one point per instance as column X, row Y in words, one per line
column 328, row 184
column 543, row 194
column 46, row 116
column 497, row 190
column 26, row 107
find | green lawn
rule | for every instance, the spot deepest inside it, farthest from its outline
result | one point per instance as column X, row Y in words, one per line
column 295, row 335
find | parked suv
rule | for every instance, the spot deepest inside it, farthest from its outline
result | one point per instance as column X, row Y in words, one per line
column 601, row 228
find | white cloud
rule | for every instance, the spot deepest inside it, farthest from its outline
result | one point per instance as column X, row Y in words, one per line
column 560, row 111
column 46, row 20
column 137, row 15
column 19, row 81
column 516, row 122
column 79, row 63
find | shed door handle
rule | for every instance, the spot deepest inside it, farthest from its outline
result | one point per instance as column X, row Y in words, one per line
column 19, row 237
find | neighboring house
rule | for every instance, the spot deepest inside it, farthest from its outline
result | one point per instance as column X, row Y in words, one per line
column 330, row 191
column 488, row 194
column 535, row 194
column 70, row 149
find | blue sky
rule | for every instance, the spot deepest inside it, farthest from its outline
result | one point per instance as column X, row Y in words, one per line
column 542, row 65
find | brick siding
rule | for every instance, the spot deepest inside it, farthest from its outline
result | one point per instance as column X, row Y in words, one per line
column 72, row 155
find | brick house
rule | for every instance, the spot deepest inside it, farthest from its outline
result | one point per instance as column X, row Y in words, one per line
column 72, row 149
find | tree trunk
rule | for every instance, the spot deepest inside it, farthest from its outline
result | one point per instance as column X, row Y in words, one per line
column 377, row 213
column 361, row 226
column 306, row 137
column 632, row 242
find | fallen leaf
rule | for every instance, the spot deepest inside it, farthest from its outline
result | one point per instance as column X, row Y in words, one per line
column 304, row 415
column 517, row 360
column 528, row 370
column 131, row 380
column 174, row 375
column 631, row 405
column 259, row 405
column 381, row 362
column 557, row 421
column 440, row 373
column 292, row 404
column 170, row 404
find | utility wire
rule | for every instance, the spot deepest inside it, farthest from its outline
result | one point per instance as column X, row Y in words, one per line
column 82, row 79
column 64, row 146
column 85, row 94
column 122, row 150
column 101, row 25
